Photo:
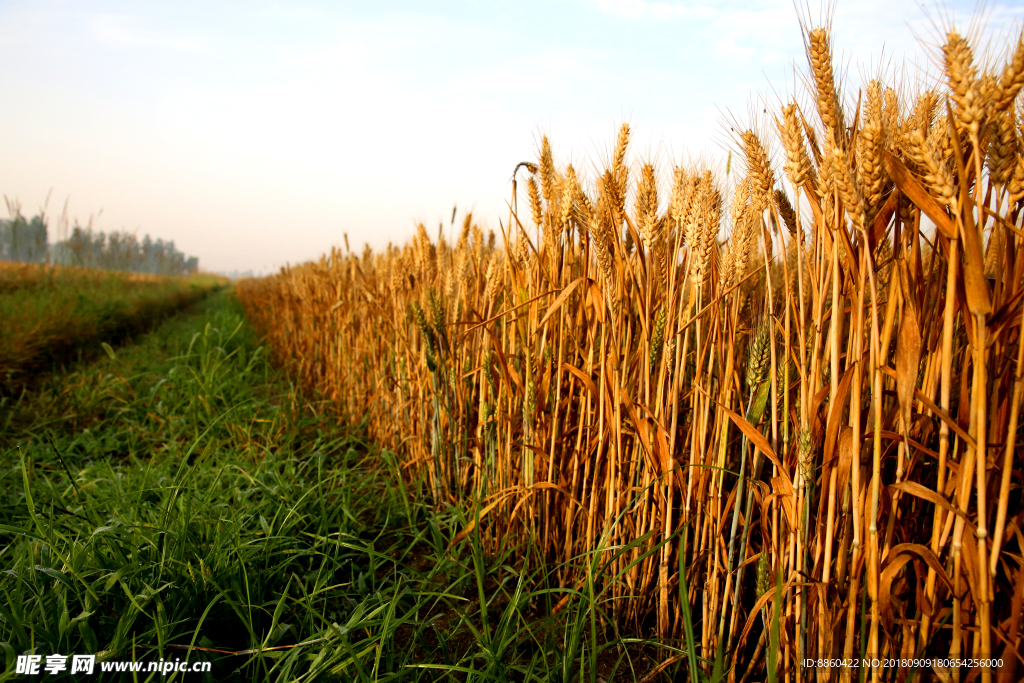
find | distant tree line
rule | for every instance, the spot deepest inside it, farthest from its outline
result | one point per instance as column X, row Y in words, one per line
column 26, row 240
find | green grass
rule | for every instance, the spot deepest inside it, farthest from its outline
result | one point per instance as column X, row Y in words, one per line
column 49, row 313
column 179, row 498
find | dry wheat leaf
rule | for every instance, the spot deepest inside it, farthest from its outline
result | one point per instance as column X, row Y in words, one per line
column 925, row 493
column 894, row 566
column 835, row 413
column 909, row 345
column 582, row 376
column 919, row 196
column 560, row 300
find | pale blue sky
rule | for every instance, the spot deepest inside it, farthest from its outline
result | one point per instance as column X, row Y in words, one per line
column 256, row 133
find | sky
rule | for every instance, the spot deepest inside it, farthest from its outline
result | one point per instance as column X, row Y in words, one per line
column 256, row 133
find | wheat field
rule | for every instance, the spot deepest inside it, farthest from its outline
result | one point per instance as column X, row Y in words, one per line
column 792, row 391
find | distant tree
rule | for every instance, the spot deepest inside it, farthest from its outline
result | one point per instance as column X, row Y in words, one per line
column 23, row 240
